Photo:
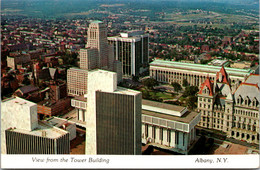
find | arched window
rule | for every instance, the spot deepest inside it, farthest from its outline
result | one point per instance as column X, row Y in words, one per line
column 254, row 102
column 238, row 101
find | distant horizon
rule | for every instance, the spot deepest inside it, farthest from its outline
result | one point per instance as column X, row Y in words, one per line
column 89, row 8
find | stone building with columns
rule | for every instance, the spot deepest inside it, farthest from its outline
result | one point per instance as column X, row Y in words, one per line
column 169, row 126
column 235, row 113
column 195, row 74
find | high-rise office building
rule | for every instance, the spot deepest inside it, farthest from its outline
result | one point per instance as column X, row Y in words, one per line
column 113, row 116
column 131, row 49
column 77, row 81
column 22, row 133
column 97, row 54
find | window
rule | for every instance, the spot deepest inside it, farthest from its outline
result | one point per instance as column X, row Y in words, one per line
column 209, row 100
column 183, row 139
column 154, row 132
column 146, row 131
column 177, row 137
column 169, row 135
column 161, row 134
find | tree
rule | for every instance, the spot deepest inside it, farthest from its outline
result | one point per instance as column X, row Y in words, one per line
column 135, row 78
column 190, row 91
column 150, row 83
column 185, row 83
column 176, row 86
column 192, row 102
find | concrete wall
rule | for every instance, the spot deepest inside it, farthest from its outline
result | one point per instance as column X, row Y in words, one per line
column 96, row 81
column 18, row 113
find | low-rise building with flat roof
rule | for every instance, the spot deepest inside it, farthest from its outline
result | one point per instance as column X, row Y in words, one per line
column 169, row 126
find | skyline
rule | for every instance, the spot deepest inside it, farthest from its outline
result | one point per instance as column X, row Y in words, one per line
column 193, row 88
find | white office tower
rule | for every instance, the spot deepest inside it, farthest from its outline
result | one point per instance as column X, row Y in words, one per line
column 113, row 118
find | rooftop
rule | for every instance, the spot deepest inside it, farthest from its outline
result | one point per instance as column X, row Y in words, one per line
column 200, row 67
column 253, row 79
column 43, row 128
column 59, row 122
column 185, row 118
column 96, row 22
column 19, row 101
column 122, row 90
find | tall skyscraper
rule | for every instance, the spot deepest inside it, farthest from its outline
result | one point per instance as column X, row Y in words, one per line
column 97, row 39
column 97, row 54
column 131, row 49
column 113, row 116
column 22, row 133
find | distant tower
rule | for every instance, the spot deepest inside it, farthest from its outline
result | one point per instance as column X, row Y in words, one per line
column 98, row 54
column 113, row 116
column 36, row 72
column 97, row 38
column 132, row 49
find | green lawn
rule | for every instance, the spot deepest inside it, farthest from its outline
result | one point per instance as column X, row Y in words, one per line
column 162, row 95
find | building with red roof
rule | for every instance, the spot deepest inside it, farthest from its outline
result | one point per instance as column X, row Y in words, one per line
column 235, row 113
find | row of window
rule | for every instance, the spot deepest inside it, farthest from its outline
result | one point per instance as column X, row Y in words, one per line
column 237, row 118
column 247, row 101
column 244, row 136
column 244, row 126
column 161, row 134
column 204, row 99
column 246, row 113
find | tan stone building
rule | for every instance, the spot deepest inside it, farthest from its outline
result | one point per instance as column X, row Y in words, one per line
column 97, row 54
column 195, row 74
column 235, row 113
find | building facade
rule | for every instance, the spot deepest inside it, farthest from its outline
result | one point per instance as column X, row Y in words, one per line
column 51, row 141
column 168, row 126
column 77, row 81
column 235, row 113
column 113, row 116
column 195, row 74
column 132, row 50
column 12, row 61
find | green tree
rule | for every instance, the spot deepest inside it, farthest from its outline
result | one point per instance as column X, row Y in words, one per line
column 135, row 78
column 150, row 83
column 176, row 86
column 185, row 83
column 190, row 91
column 192, row 102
